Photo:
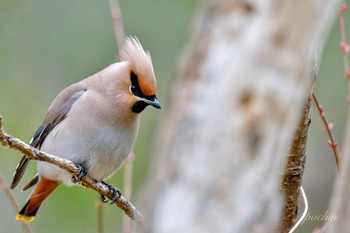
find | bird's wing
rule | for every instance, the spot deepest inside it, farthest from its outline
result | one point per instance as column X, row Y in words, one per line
column 56, row 113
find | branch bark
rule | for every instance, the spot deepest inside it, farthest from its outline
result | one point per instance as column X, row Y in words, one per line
column 294, row 170
column 35, row 154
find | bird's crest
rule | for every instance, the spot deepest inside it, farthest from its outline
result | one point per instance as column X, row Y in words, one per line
column 140, row 64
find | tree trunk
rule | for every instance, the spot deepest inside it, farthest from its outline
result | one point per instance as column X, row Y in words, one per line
column 232, row 115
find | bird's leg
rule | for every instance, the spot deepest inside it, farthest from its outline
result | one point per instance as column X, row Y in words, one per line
column 82, row 173
column 116, row 193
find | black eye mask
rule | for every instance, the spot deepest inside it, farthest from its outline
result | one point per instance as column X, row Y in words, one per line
column 135, row 87
column 139, row 105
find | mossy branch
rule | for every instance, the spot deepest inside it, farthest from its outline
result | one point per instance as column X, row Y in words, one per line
column 35, row 154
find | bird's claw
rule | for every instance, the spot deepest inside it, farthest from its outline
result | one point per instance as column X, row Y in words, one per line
column 103, row 199
column 116, row 193
column 82, row 173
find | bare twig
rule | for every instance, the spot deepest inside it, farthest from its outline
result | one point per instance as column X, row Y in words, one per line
column 117, row 22
column 35, row 154
column 99, row 204
column 344, row 46
column 328, row 126
column 128, row 171
column 12, row 200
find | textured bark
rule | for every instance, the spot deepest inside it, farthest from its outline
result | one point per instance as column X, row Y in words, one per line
column 293, row 172
column 232, row 116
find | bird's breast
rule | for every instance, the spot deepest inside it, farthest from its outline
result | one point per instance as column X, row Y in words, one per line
column 109, row 152
column 101, row 149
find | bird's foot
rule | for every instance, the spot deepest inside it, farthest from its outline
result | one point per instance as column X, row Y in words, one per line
column 82, row 173
column 116, row 193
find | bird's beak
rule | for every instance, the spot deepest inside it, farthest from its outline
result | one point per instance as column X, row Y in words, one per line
column 153, row 101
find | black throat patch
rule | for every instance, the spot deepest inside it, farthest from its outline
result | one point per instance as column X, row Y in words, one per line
column 138, row 106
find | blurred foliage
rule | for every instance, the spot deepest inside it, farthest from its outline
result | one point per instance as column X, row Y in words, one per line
column 48, row 45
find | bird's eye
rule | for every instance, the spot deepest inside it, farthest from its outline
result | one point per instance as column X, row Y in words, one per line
column 134, row 87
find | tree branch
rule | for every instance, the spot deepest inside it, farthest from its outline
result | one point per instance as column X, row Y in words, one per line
column 294, row 170
column 35, row 154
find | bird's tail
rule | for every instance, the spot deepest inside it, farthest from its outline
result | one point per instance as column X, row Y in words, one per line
column 41, row 191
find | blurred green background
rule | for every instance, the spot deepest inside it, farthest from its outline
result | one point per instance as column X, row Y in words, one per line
column 47, row 45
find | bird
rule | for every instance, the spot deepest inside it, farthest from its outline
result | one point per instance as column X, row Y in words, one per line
column 94, row 123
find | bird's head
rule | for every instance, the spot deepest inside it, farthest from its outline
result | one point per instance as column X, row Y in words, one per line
column 143, row 86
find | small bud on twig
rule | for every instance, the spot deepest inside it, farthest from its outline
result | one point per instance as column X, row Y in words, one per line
column 328, row 127
column 342, row 8
column 345, row 47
